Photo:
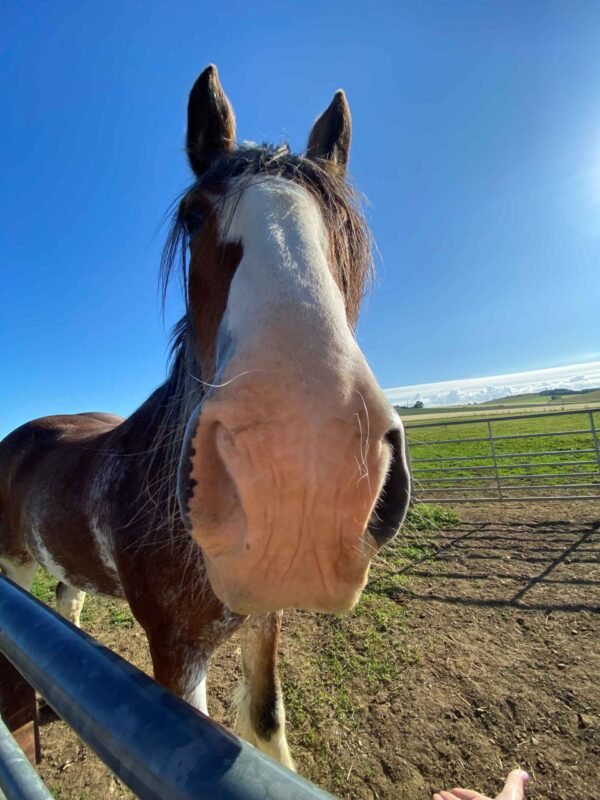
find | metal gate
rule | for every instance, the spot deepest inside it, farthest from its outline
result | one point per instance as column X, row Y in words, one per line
column 517, row 458
column 157, row 744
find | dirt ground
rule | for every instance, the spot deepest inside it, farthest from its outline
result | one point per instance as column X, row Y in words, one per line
column 469, row 662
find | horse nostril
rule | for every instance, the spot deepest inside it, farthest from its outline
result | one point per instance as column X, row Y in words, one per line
column 394, row 499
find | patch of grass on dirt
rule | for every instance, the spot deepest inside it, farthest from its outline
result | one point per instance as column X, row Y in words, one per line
column 120, row 616
column 424, row 517
column 347, row 652
column 368, row 647
column 414, row 544
column 92, row 609
column 44, row 587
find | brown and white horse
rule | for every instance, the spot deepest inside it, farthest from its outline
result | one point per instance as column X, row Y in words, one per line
column 268, row 468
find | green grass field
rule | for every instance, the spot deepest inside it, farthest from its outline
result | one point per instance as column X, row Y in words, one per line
column 517, row 404
column 589, row 398
column 473, row 460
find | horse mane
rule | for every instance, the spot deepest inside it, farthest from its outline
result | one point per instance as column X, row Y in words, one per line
column 351, row 261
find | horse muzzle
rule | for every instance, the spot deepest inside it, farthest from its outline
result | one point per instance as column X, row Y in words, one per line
column 290, row 503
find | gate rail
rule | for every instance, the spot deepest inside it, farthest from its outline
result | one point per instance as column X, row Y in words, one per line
column 482, row 476
column 157, row 744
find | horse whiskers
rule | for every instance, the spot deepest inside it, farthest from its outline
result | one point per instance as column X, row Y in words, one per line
column 157, row 497
column 365, row 543
column 363, row 467
column 164, row 543
column 364, row 454
column 222, row 385
column 361, row 473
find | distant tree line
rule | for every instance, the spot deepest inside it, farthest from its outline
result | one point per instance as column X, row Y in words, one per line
column 418, row 404
column 559, row 392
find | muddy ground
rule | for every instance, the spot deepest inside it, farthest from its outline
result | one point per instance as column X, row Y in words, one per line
column 476, row 649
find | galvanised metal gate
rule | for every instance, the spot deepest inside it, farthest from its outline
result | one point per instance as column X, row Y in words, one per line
column 158, row 745
column 551, row 456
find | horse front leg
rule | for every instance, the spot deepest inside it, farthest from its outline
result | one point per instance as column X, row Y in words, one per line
column 182, row 646
column 69, row 602
column 260, row 711
column 182, row 668
column 21, row 571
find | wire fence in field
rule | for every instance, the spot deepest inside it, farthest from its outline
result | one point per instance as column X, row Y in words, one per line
column 548, row 456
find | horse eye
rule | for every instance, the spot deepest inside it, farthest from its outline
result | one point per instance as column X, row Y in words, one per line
column 192, row 223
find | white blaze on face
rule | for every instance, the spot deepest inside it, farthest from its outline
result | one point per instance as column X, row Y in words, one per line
column 283, row 281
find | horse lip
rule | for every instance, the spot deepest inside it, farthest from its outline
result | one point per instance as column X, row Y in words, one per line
column 185, row 482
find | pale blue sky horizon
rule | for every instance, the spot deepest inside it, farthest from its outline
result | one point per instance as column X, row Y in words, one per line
column 576, row 377
column 476, row 139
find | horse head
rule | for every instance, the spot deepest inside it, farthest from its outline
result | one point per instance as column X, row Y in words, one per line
column 293, row 471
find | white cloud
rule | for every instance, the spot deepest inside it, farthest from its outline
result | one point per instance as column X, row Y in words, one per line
column 478, row 390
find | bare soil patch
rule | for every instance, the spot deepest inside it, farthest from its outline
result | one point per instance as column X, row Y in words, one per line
column 455, row 667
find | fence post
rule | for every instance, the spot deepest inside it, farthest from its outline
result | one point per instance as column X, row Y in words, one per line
column 18, row 709
column 493, row 449
column 595, row 437
column 413, row 497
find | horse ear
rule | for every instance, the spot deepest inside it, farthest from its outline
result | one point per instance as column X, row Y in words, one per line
column 211, row 122
column 330, row 135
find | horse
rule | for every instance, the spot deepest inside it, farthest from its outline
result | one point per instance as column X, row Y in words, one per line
column 268, row 468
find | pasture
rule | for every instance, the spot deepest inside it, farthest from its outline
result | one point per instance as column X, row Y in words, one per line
column 557, row 400
column 473, row 459
column 474, row 649
column 519, row 404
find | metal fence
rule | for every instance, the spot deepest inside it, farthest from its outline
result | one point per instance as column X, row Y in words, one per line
column 158, row 745
column 551, row 456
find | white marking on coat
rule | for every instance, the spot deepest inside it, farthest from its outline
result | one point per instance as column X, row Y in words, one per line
column 44, row 556
column 69, row 603
column 195, row 693
column 103, row 539
column 284, row 272
column 277, row 746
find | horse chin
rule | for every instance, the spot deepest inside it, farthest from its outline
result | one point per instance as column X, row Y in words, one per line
column 237, row 585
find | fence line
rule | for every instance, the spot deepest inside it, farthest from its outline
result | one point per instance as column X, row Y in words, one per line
column 510, row 418
column 488, row 482
column 157, row 744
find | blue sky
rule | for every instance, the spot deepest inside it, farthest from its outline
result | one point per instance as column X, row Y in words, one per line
column 476, row 141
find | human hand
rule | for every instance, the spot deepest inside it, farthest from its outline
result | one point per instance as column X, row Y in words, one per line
column 514, row 789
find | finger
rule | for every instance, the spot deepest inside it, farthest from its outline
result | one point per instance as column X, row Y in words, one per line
column 514, row 788
column 448, row 796
column 468, row 794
